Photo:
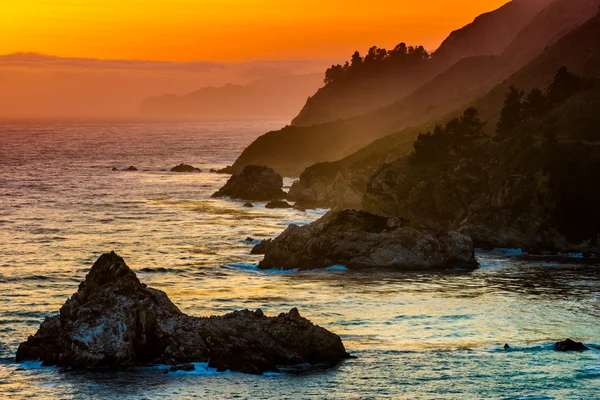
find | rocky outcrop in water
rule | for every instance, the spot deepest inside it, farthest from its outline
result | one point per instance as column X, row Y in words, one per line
column 131, row 168
column 185, row 168
column 114, row 320
column 570, row 345
column 278, row 204
column 358, row 239
column 257, row 183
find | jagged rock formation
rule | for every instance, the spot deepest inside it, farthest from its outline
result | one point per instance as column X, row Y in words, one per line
column 114, row 320
column 185, row 168
column 357, row 239
column 257, row 183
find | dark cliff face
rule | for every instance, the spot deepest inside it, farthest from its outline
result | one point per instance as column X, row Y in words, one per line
column 114, row 320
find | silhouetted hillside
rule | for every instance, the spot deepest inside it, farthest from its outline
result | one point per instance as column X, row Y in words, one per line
column 553, row 22
column 270, row 97
column 342, row 183
column 382, row 76
column 366, row 83
column 292, row 149
column 490, row 33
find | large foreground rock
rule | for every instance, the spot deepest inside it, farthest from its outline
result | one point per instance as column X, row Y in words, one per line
column 114, row 320
column 358, row 239
column 258, row 183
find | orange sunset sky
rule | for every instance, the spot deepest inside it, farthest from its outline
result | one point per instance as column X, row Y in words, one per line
column 227, row 30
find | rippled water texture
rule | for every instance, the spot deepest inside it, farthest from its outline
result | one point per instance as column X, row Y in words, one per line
column 415, row 335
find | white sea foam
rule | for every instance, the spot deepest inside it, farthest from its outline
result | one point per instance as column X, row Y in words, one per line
column 200, row 369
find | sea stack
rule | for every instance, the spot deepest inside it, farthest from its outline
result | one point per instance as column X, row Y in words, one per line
column 114, row 320
column 254, row 183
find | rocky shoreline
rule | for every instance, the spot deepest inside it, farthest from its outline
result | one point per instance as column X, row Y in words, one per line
column 116, row 321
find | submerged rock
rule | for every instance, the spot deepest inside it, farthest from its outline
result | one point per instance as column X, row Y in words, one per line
column 248, row 205
column 114, row 320
column 570, row 345
column 358, row 239
column 278, row 204
column 258, row 183
column 131, row 168
column 185, row 168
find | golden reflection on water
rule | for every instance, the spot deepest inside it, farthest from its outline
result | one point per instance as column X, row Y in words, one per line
column 416, row 335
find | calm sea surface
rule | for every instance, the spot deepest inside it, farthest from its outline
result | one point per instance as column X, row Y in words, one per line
column 415, row 335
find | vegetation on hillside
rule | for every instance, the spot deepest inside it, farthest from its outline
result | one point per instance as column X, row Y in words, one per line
column 376, row 61
column 519, row 108
column 455, row 137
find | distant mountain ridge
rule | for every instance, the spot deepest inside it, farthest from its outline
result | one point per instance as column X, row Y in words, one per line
column 34, row 85
column 270, row 97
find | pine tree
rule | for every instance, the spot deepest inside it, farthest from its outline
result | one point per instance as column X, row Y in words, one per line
column 535, row 104
column 511, row 114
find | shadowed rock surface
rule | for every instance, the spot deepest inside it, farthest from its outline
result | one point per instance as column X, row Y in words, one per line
column 358, row 239
column 257, row 183
column 261, row 248
column 570, row 345
column 114, row 320
column 185, row 168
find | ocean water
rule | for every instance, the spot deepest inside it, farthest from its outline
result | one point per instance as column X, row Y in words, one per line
column 414, row 335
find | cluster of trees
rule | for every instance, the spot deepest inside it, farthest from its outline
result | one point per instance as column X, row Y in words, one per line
column 519, row 107
column 376, row 60
column 454, row 137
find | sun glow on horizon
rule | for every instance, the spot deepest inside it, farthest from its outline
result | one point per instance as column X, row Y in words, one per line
column 226, row 30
